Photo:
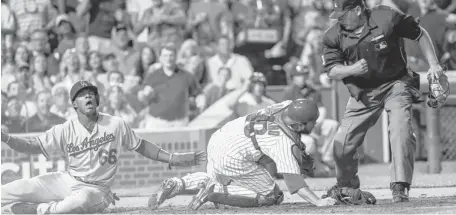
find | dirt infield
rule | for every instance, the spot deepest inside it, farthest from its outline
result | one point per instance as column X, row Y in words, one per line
column 434, row 205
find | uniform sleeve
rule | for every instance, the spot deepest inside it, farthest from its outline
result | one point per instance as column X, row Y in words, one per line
column 281, row 154
column 52, row 141
column 332, row 53
column 405, row 25
column 130, row 140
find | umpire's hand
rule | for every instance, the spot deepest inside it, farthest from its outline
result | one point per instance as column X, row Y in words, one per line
column 359, row 68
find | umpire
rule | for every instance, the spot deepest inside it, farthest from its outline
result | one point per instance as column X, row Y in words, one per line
column 365, row 50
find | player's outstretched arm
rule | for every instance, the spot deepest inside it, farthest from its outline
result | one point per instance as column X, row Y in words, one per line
column 154, row 152
column 297, row 184
column 19, row 144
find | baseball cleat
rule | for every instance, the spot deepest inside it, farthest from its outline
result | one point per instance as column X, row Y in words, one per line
column 163, row 193
column 202, row 196
column 24, row 208
column 400, row 193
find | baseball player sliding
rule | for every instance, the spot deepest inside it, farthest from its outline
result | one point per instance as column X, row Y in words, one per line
column 92, row 145
column 239, row 156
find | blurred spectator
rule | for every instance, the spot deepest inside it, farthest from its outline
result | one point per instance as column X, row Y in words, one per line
column 31, row 16
column 301, row 85
column 17, row 90
column 239, row 65
column 252, row 18
column 447, row 5
column 450, row 46
column 4, row 110
column 43, row 120
column 254, row 98
column 70, row 70
column 10, row 70
column 146, row 59
column 110, row 63
column 92, row 77
column 8, row 25
column 66, row 34
column 115, row 78
column 39, row 44
column 82, row 50
column 164, row 21
column 136, row 9
column 61, row 105
column 94, row 63
column 312, row 52
column 215, row 91
column 39, row 79
column 189, row 58
column 126, row 55
column 117, row 105
column 430, row 14
column 13, row 119
column 167, row 92
column 22, row 55
column 207, row 21
column 101, row 21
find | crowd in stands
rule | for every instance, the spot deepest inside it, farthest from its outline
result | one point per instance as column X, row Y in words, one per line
column 160, row 63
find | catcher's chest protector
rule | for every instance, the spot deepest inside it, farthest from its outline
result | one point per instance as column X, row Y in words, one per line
column 271, row 116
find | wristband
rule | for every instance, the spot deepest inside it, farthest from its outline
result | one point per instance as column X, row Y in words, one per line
column 170, row 159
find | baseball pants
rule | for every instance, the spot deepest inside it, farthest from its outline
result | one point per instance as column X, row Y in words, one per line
column 62, row 193
column 359, row 117
column 250, row 182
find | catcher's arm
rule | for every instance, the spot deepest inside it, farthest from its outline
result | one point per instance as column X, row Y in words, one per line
column 154, row 152
column 297, row 184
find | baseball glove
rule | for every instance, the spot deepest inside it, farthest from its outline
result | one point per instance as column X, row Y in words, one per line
column 438, row 91
column 305, row 161
column 350, row 196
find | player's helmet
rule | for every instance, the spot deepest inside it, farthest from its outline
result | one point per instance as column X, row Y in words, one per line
column 257, row 77
column 302, row 111
column 81, row 85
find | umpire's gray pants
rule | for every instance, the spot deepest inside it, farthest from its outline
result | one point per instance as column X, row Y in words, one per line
column 360, row 116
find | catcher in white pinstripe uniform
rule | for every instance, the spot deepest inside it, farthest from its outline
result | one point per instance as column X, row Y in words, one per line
column 242, row 154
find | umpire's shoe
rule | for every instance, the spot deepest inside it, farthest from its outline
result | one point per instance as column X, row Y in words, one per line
column 400, row 191
column 168, row 189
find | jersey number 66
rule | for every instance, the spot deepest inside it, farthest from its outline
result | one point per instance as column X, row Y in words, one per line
column 107, row 156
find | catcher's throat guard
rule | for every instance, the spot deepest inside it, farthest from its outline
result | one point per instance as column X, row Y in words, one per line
column 262, row 118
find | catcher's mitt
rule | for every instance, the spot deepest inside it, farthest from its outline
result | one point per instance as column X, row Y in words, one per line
column 305, row 161
column 350, row 196
column 438, row 91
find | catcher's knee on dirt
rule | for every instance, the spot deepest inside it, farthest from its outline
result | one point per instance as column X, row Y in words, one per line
column 273, row 198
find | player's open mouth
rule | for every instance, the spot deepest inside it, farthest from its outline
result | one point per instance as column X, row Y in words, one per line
column 89, row 104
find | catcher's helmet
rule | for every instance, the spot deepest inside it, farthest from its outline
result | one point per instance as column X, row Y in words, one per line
column 257, row 77
column 302, row 111
column 81, row 85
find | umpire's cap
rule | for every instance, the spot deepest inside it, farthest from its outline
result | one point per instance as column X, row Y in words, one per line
column 80, row 85
column 342, row 6
column 302, row 111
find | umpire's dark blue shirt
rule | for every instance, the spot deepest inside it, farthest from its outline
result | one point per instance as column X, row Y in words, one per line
column 380, row 44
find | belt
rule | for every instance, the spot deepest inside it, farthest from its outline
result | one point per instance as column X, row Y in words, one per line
column 87, row 182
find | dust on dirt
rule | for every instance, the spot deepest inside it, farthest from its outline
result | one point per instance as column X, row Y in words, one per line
column 425, row 205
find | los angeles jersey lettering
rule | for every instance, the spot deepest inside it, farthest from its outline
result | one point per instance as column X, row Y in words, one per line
column 91, row 156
